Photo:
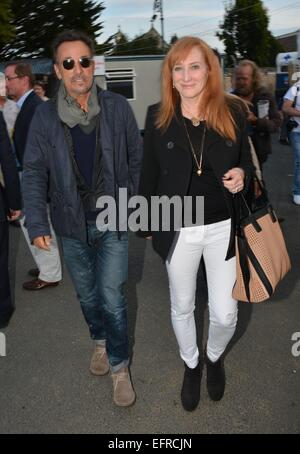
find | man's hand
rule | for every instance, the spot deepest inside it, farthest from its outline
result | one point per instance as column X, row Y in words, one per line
column 43, row 242
column 14, row 214
column 252, row 118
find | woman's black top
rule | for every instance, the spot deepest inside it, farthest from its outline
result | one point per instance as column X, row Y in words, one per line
column 207, row 184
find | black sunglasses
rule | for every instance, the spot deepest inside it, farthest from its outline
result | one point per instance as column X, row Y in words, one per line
column 69, row 63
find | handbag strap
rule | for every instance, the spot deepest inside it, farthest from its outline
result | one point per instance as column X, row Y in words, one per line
column 247, row 256
column 255, row 160
column 243, row 209
column 244, row 265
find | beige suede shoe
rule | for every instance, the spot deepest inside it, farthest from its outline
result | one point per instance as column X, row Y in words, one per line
column 124, row 395
column 99, row 362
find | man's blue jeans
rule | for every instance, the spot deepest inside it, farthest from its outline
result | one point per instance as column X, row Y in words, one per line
column 99, row 271
column 295, row 142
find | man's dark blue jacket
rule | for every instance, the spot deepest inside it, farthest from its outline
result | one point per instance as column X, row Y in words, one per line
column 23, row 123
column 10, row 196
column 48, row 170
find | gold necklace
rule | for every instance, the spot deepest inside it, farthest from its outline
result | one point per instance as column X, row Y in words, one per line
column 198, row 163
column 195, row 120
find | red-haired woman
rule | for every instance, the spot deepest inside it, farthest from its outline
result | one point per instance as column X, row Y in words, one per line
column 196, row 144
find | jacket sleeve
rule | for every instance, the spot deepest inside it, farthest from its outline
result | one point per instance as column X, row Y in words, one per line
column 9, row 169
column 35, row 179
column 150, row 168
column 134, row 150
column 22, row 124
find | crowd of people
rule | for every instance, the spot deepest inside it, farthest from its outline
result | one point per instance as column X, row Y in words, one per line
column 59, row 157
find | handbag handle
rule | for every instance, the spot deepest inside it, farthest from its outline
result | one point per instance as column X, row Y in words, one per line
column 242, row 202
column 245, row 211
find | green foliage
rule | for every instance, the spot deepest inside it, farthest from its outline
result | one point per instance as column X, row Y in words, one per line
column 274, row 48
column 122, row 47
column 140, row 45
column 37, row 22
column 7, row 30
column 245, row 33
column 105, row 48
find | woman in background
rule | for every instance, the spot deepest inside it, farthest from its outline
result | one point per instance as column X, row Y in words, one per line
column 40, row 89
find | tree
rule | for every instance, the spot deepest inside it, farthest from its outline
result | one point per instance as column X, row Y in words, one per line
column 122, row 46
column 145, row 45
column 37, row 23
column 140, row 45
column 274, row 48
column 7, row 30
column 106, row 47
column 245, row 33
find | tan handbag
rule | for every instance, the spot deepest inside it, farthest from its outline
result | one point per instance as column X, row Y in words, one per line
column 262, row 259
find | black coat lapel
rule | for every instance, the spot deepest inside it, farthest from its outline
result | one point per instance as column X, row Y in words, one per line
column 219, row 152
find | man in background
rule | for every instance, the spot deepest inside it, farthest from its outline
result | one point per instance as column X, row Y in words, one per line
column 40, row 90
column 19, row 86
column 8, row 107
column 10, row 206
column 263, row 117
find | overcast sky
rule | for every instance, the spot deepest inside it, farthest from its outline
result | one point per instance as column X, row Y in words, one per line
column 197, row 17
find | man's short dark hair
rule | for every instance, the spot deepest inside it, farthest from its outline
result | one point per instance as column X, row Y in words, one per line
column 23, row 69
column 69, row 36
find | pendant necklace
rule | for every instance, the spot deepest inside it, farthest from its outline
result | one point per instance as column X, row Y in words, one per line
column 197, row 161
column 195, row 120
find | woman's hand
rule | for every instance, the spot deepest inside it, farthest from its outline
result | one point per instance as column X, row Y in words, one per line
column 233, row 180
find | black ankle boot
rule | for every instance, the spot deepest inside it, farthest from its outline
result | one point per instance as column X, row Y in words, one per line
column 190, row 391
column 215, row 378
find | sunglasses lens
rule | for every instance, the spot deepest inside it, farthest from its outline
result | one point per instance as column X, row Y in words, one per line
column 85, row 62
column 68, row 63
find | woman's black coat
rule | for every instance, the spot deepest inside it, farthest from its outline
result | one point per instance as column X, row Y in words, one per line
column 167, row 167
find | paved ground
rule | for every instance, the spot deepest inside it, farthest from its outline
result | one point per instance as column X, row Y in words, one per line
column 44, row 379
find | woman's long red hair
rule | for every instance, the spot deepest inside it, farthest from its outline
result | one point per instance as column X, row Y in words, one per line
column 215, row 103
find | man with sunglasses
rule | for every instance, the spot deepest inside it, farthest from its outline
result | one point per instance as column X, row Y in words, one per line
column 84, row 143
column 19, row 86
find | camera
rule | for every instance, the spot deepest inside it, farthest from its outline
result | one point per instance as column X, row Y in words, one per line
column 291, row 124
